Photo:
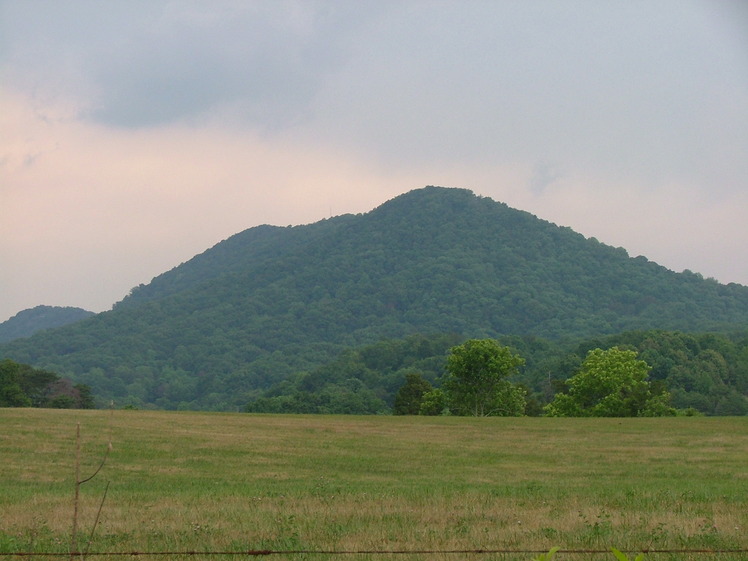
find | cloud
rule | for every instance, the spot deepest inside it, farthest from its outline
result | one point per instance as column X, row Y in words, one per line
column 611, row 88
column 670, row 225
column 141, row 64
column 136, row 134
column 99, row 211
column 544, row 174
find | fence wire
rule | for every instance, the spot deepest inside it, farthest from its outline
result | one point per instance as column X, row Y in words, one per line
column 394, row 552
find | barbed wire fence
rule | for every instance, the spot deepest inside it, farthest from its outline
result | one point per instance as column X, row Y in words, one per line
column 370, row 552
column 75, row 554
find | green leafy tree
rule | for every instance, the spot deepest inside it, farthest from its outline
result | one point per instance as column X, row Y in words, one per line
column 410, row 395
column 434, row 403
column 11, row 390
column 85, row 397
column 611, row 383
column 476, row 384
column 33, row 383
column 24, row 386
column 62, row 394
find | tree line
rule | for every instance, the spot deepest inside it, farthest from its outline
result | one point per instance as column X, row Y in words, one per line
column 609, row 383
column 634, row 373
column 24, row 386
column 641, row 373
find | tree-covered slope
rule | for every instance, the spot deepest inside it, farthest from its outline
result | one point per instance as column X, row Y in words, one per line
column 28, row 322
column 272, row 301
column 705, row 372
column 250, row 249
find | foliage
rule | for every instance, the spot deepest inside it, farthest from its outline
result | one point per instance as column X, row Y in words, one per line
column 349, row 398
column 272, row 303
column 434, row 403
column 476, row 382
column 623, row 557
column 24, row 386
column 366, row 380
column 703, row 372
column 547, row 556
column 409, row 397
column 610, row 383
column 28, row 322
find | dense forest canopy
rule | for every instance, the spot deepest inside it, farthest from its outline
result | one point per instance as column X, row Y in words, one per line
column 704, row 372
column 24, row 386
column 28, row 322
column 273, row 304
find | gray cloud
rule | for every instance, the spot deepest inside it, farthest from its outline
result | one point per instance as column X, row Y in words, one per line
column 150, row 63
column 629, row 108
column 641, row 93
column 623, row 85
column 544, row 174
column 260, row 61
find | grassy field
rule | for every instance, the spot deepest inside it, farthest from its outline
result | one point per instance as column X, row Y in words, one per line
column 233, row 482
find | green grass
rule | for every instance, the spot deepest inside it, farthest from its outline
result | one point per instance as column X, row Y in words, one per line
column 198, row 481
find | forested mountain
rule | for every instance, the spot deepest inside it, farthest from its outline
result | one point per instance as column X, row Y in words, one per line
column 28, row 322
column 272, row 301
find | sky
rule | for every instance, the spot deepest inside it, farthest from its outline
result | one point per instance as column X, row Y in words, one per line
column 137, row 134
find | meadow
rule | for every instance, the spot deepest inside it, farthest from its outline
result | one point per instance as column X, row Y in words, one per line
column 238, row 482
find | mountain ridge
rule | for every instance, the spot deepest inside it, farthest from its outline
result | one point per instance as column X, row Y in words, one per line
column 271, row 301
column 27, row 322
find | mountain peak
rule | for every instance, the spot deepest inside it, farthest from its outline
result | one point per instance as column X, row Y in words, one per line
column 271, row 301
column 27, row 322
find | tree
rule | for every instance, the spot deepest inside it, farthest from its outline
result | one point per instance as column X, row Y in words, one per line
column 434, row 403
column 24, row 386
column 476, row 384
column 62, row 394
column 21, row 379
column 11, row 390
column 611, row 383
column 85, row 396
column 410, row 395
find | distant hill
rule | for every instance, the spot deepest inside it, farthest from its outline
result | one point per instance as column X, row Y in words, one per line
column 272, row 301
column 28, row 322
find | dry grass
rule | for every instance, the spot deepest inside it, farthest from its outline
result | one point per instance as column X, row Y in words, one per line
column 236, row 482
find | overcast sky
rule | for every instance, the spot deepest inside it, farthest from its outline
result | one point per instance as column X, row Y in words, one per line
column 136, row 134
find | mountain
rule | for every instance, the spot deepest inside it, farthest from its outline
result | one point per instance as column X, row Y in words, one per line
column 272, row 301
column 28, row 322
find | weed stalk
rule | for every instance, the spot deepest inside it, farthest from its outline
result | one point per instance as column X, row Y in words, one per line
column 76, row 497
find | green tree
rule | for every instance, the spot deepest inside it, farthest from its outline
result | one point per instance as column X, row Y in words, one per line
column 34, row 383
column 24, row 386
column 434, row 403
column 476, row 383
column 610, row 383
column 11, row 390
column 85, row 397
column 410, row 395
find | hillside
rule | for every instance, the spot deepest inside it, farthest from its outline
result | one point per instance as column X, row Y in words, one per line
column 272, row 301
column 28, row 322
